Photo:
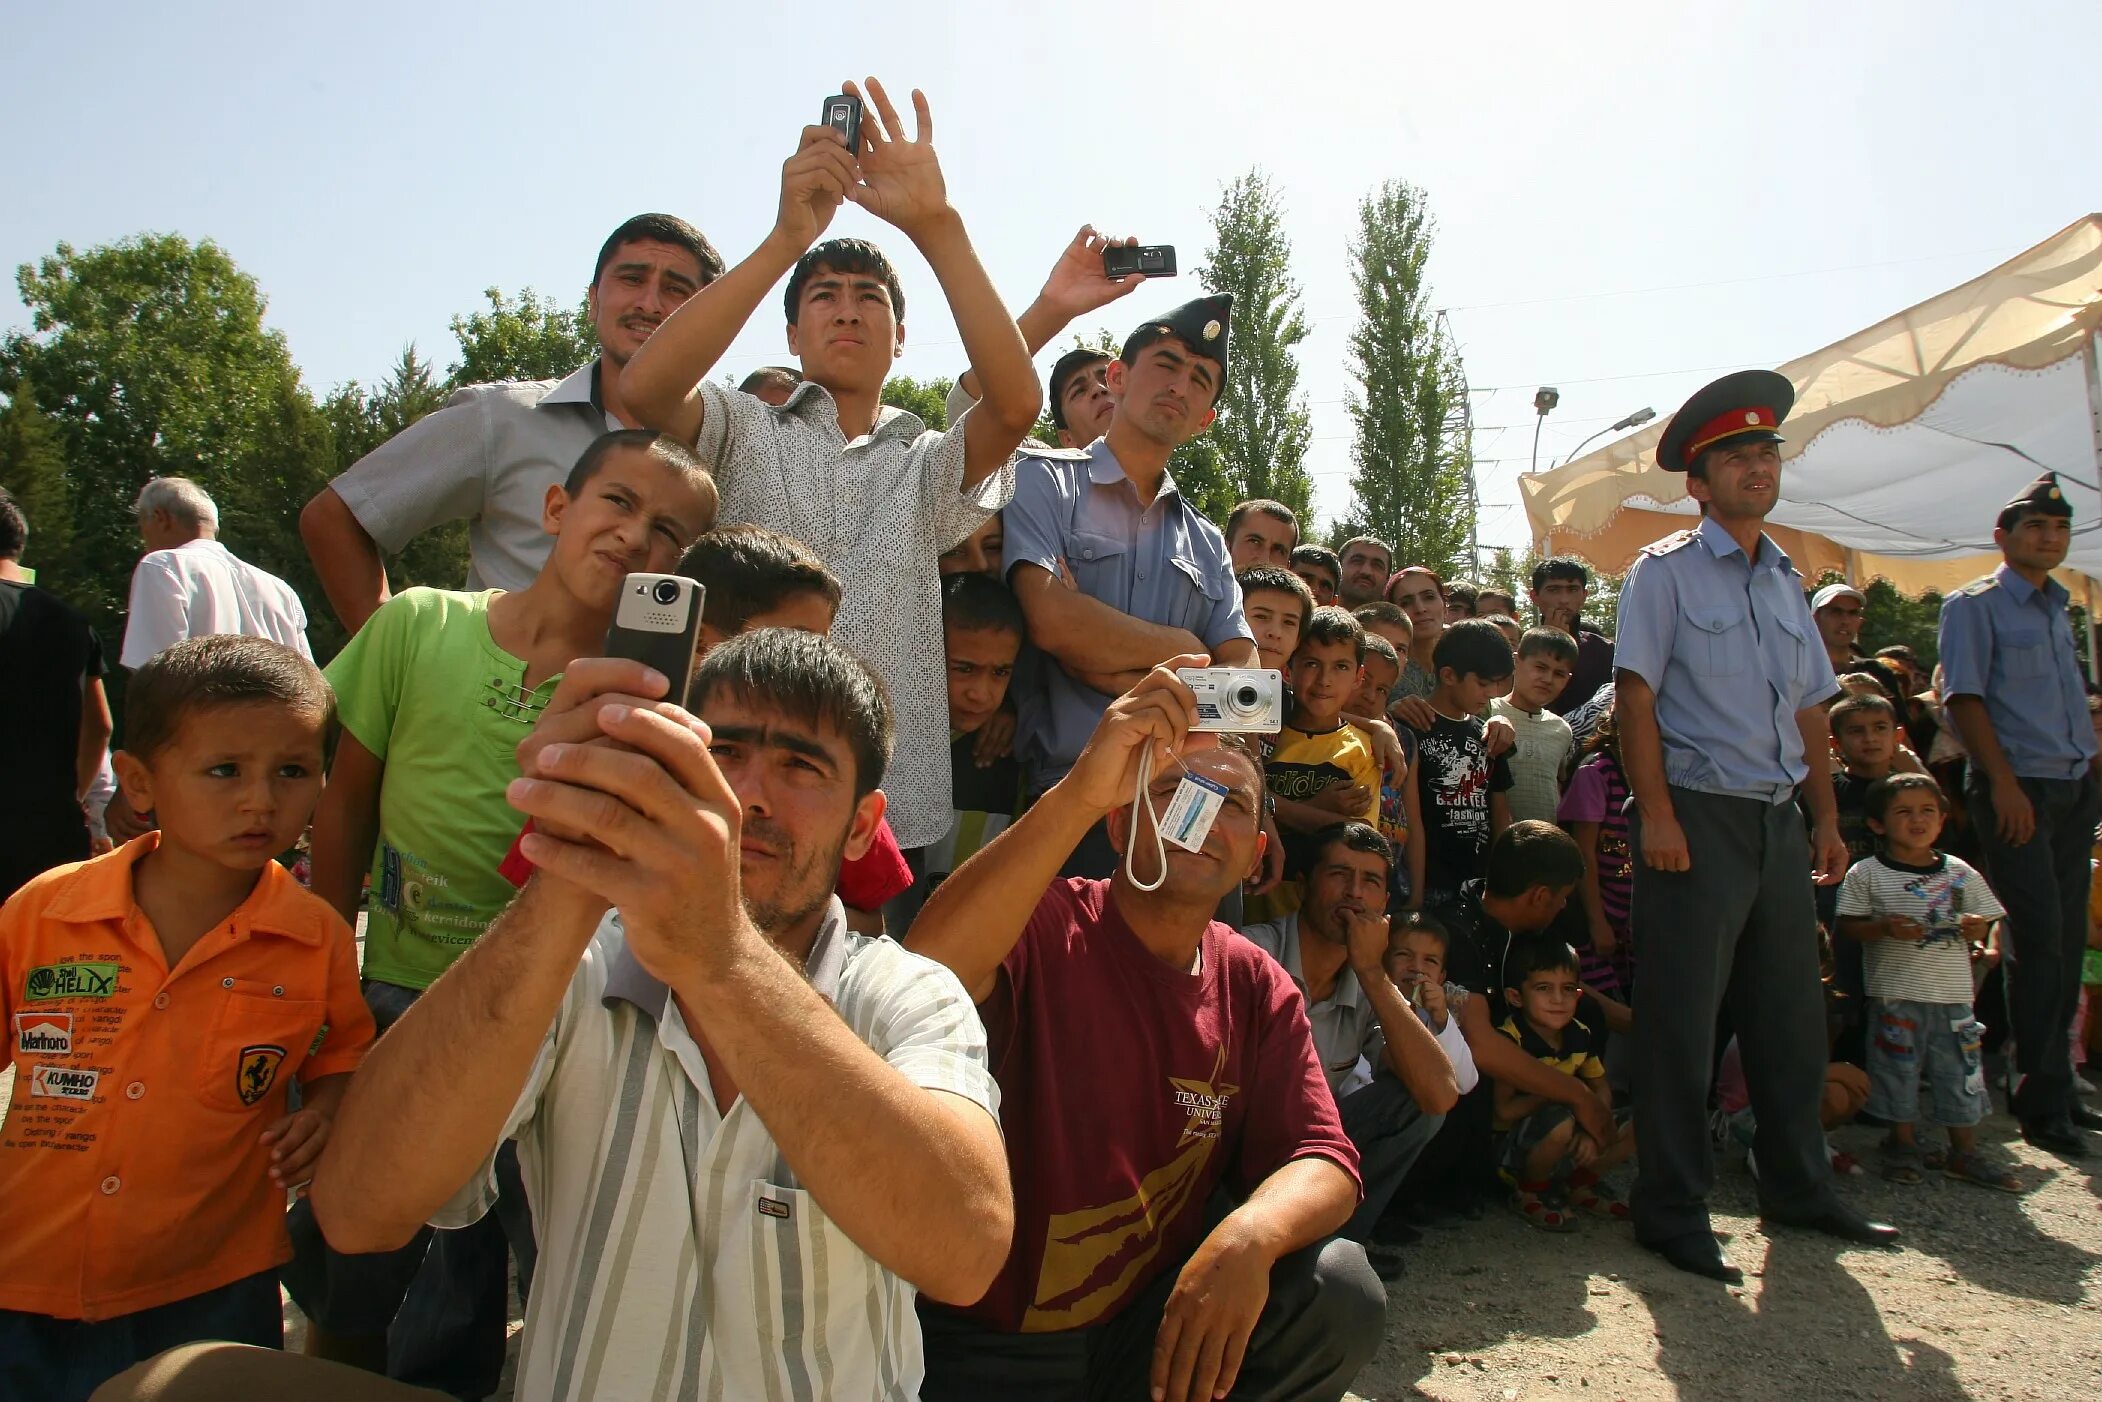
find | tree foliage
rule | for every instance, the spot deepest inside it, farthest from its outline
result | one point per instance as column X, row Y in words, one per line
column 527, row 337
column 1406, row 487
column 33, row 470
column 927, row 398
column 1261, row 436
column 150, row 358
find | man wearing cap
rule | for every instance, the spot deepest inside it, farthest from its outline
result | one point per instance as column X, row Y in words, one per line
column 2012, row 685
column 1837, row 609
column 1115, row 569
column 1720, row 681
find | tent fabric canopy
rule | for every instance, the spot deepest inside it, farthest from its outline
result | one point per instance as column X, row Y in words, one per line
column 1905, row 440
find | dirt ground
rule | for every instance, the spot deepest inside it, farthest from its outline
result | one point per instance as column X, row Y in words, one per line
column 1992, row 1296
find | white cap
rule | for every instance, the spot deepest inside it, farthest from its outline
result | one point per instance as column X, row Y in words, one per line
column 1830, row 592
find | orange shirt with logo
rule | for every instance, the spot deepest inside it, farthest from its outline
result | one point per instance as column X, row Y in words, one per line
column 131, row 1161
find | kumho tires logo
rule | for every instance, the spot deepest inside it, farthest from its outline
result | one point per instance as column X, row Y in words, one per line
column 47, row 981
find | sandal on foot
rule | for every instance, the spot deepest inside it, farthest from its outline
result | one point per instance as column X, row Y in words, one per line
column 1934, row 1160
column 1598, row 1199
column 1974, row 1167
column 1900, row 1163
column 1531, row 1203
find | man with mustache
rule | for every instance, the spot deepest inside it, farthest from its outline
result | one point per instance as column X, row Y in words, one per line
column 1720, row 690
column 492, row 452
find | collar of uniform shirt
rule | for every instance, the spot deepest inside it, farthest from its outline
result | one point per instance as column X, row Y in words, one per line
column 628, row 982
column 2012, row 581
column 1722, row 544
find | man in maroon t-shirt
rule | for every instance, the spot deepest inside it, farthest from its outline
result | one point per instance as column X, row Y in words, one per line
column 1179, row 1166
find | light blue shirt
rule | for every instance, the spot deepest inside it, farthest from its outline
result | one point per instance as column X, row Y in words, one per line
column 2010, row 644
column 1158, row 560
column 1729, row 647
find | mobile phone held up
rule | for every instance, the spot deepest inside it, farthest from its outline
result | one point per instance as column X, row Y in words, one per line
column 1147, row 260
column 843, row 115
column 658, row 623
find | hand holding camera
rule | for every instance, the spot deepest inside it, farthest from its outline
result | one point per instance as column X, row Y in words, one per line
column 1080, row 282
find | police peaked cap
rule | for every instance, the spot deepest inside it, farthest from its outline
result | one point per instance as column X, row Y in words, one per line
column 1201, row 325
column 1747, row 406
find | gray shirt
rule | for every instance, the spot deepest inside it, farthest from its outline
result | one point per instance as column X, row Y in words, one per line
column 878, row 511
column 488, row 457
column 1075, row 513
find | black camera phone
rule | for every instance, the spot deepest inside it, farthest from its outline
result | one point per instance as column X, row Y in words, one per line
column 1148, row 260
column 658, row 623
column 843, row 115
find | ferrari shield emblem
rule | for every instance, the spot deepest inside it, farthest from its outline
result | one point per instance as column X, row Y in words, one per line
column 257, row 1072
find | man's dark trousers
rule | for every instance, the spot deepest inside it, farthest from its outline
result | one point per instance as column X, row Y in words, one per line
column 2044, row 885
column 1321, row 1324
column 1391, row 1132
column 1739, row 928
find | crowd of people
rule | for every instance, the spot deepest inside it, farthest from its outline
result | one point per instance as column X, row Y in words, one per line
column 921, row 998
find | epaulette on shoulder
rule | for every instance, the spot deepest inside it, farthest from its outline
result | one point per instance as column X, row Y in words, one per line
column 1677, row 540
column 1030, row 448
column 1980, row 586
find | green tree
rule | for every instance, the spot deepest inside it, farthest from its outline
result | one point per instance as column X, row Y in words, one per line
column 1406, row 487
column 927, row 398
column 529, row 337
column 150, row 358
column 1261, row 435
column 33, row 470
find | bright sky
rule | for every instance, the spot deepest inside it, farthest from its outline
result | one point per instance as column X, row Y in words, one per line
column 1631, row 197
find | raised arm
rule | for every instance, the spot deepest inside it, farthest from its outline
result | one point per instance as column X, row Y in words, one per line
column 975, row 916
column 662, row 383
column 1076, row 286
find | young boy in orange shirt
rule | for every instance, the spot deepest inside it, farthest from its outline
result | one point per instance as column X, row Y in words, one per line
column 159, row 1000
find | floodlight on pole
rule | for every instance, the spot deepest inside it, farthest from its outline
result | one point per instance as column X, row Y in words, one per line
column 1635, row 420
column 1544, row 400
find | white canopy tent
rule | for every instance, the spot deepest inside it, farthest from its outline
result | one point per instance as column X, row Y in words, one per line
column 1905, row 440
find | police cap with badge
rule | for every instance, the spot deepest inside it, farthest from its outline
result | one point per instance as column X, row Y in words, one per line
column 1746, row 407
column 2040, row 498
column 1201, row 325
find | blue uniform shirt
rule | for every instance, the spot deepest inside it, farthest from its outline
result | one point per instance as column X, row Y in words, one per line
column 2011, row 644
column 1160, row 561
column 1729, row 647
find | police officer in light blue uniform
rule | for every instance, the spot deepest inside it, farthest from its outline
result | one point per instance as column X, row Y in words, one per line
column 2012, row 684
column 1115, row 569
column 1721, row 681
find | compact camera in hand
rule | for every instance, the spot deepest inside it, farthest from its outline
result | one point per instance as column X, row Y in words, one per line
column 1237, row 698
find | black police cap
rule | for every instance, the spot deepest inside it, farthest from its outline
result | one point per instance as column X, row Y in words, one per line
column 1747, row 406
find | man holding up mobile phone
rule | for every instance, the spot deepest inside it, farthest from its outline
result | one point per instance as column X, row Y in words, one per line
column 869, row 488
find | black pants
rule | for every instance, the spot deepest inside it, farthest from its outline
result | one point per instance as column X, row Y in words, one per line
column 64, row 1360
column 1739, row 928
column 2043, row 884
column 1321, row 1324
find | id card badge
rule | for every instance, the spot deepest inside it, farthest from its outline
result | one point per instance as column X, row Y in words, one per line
column 1192, row 812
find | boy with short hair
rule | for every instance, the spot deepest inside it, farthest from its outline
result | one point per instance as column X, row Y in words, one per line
column 1382, row 670
column 1921, row 914
column 1541, row 1151
column 1546, row 658
column 1322, row 767
column 434, row 693
column 1397, row 796
column 1278, row 606
column 1417, row 947
column 1383, row 619
column 159, row 999
column 1321, row 568
column 983, row 630
column 1459, row 788
column 1864, row 732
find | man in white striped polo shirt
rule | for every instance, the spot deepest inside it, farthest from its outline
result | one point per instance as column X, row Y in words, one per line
column 747, row 1136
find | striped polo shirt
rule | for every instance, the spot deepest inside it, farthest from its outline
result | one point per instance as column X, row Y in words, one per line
column 679, row 1254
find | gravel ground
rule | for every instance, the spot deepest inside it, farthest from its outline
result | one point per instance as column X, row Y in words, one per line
column 1992, row 1296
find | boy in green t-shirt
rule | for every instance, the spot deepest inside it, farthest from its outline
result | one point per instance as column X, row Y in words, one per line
column 434, row 693
column 438, row 688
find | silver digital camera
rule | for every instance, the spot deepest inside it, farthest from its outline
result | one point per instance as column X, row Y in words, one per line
column 1237, row 698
